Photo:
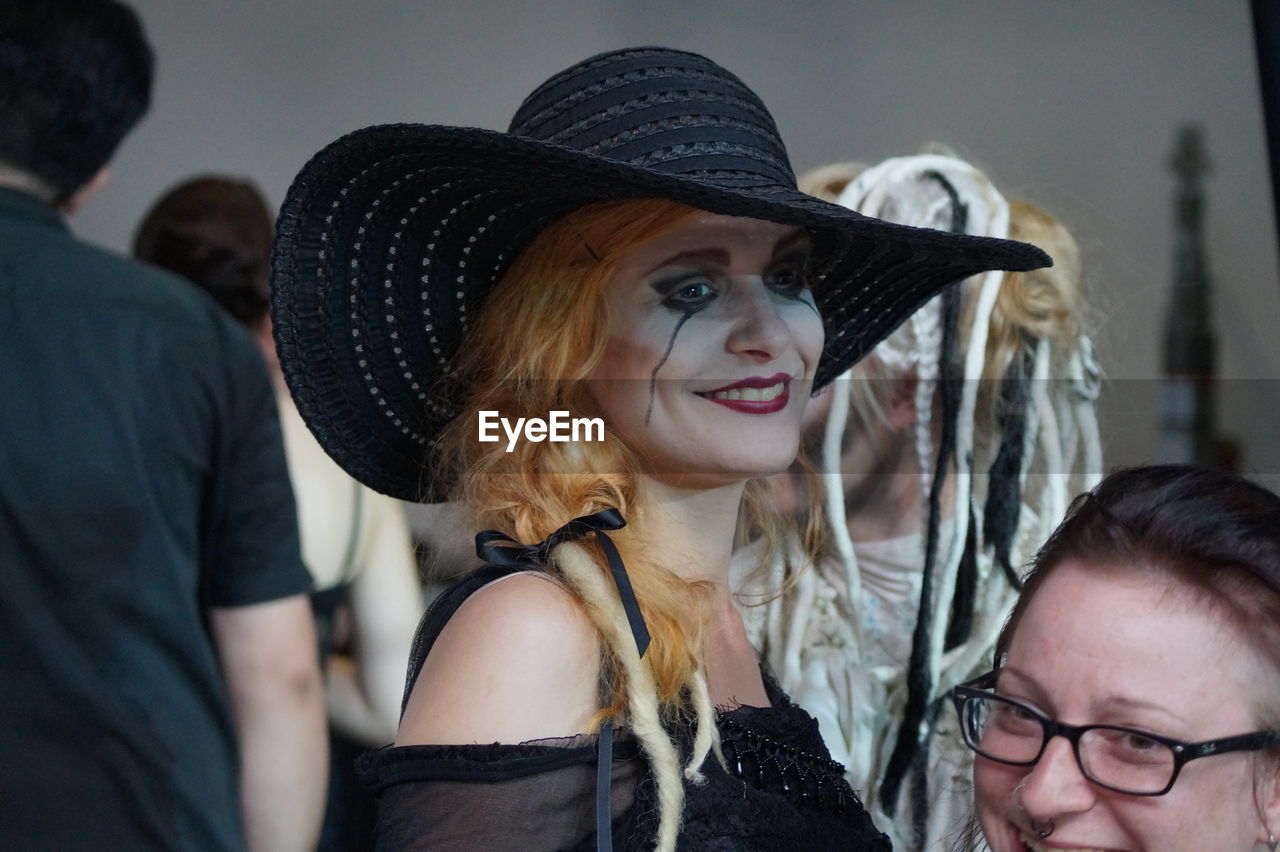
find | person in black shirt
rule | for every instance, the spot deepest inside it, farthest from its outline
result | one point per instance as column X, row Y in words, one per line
column 160, row 686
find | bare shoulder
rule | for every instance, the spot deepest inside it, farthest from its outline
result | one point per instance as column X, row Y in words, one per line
column 518, row 661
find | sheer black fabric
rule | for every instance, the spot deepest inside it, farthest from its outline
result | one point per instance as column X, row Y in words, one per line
column 535, row 796
column 780, row 790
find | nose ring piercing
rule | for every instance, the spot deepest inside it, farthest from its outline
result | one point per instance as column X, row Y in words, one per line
column 1041, row 829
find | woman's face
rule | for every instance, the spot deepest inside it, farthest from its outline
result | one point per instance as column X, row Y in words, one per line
column 1097, row 647
column 713, row 343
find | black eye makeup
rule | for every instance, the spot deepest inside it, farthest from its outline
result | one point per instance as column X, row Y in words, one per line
column 789, row 277
column 653, row 377
column 685, row 292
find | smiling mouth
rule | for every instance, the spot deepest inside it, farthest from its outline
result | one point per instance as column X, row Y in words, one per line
column 765, row 394
column 753, row 396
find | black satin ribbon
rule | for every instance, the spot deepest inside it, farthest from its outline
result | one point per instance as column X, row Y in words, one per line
column 513, row 554
column 534, row 556
column 499, row 549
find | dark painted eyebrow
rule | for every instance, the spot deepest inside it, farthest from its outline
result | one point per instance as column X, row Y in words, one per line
column 799, row 238
column 712, row 255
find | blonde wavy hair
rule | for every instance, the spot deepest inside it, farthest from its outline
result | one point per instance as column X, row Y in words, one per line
column 1020, row 436
column 538, row 336
column 1042, row 304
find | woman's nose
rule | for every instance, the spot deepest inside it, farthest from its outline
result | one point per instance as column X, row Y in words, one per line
column 759, row 330
column 1055, row 785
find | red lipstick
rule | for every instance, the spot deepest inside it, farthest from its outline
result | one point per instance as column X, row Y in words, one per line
column 753, row 395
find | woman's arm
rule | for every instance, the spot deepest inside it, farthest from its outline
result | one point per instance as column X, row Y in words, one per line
column 268, row 657
column 518, row 661
column 363, row 691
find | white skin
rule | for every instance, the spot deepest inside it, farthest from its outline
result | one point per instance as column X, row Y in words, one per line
column 1098, row 646
column 741, row 284
column 15, row 179
column 882, row 489
column 880, row 469
column 523, row 642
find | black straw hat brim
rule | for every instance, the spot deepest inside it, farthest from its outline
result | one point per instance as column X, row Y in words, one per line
column 390, row 239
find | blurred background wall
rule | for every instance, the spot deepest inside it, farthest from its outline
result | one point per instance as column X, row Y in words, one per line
column 1071, row 105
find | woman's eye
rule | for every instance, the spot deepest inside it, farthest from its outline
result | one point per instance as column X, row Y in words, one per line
column 1137, row 742
column 1014, row 717
column 689, row 294
column 790, row 281
column 1126, row 747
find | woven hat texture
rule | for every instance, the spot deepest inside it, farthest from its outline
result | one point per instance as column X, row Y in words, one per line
column 390, row 239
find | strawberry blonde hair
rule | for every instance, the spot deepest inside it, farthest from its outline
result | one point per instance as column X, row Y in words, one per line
column 540, row 333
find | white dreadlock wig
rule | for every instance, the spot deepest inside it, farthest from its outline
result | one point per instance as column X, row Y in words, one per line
column 976, row 540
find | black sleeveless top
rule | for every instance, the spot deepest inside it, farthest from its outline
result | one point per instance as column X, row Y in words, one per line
column 780, row 790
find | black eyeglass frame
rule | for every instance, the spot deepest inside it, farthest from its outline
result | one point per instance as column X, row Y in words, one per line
column 1183, row 752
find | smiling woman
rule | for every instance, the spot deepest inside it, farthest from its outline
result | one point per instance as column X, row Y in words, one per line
column 634, row 250
column 1135, row 703
column 733, row 293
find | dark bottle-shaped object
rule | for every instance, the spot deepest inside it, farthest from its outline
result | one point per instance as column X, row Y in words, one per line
column 1187, row 422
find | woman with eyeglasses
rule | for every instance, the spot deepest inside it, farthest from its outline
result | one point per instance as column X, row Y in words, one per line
column 1135, row 703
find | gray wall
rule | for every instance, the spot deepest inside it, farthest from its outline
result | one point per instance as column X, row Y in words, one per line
column 1072, row 105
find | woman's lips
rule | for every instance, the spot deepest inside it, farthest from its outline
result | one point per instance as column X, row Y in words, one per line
column 756, row 395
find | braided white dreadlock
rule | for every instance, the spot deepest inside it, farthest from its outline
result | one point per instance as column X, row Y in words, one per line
column 968, row 584
column 584, row 575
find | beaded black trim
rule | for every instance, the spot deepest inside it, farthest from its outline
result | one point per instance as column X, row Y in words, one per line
column 804, row 778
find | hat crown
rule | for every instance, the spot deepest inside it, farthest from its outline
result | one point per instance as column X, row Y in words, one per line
column 665, row 110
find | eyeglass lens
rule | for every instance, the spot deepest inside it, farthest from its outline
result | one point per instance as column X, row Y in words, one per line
column 1125, row 760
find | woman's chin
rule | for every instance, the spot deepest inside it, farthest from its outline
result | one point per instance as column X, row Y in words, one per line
column 716, row 470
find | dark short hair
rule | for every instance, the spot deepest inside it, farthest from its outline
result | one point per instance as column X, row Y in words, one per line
column 75, row 77
column 1216, row 533
column 216, row 232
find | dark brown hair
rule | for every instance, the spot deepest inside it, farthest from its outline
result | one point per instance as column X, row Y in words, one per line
column 75, row 77
column 216, row 232
column 1214, row 532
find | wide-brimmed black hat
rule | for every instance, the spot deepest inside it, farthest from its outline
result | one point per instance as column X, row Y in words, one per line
column 391, row 238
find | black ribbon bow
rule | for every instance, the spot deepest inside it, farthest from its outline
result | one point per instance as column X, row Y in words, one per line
column 513, row 554
column 534, row 556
